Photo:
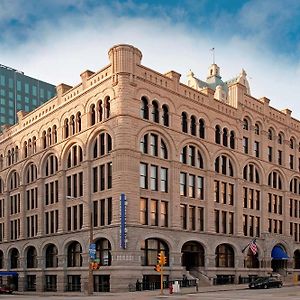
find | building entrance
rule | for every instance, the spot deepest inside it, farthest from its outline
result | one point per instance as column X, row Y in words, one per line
column 192, row 255
column 279, row 259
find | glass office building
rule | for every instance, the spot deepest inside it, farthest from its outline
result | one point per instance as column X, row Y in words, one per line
column 20, row 92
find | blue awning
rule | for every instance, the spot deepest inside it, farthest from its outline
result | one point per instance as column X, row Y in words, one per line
column 278, row 253
column 8, row 273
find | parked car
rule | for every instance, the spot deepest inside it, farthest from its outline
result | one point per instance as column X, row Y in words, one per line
column 5, row 289
column 265, row 283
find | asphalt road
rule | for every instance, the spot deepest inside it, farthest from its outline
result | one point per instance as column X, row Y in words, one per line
column 289, row 293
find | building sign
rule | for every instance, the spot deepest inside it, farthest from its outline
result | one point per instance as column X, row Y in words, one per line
column 123, row 229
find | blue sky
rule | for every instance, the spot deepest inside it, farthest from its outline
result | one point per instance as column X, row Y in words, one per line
column 56, row 40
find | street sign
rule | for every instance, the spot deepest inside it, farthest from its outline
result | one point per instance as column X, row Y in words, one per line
column 92, row 251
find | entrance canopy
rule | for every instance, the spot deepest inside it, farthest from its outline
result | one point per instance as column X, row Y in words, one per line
column 279, row 253
column 8, row 273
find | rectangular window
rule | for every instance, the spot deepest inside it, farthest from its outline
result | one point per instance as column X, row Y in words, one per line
column 269, row 202
column 245, row 145
column 164, row 179
column 245, row 225
column 183, row 217
column 279, row 157
column 200, row 187
column 201, row 218
column 257, row 200
column 154, row 213
column 223, row 192
column 192, row 218
column 95, row 179
column 19, row 86
column 143, row 176
column 217, row 191
column 183, row 186
column 191, row 155
column 291, row 162
column 257, row 226
column 251, row 226
column 153, row 144
column 109, row 210
column 109, row 175
column 164, row 214
column 230, row 223
column 270, row 154
column 144, row 211
column 251, row 200
column 154, row 178
column 230, row 194
column 217, row 224
column 245, row 193
column 192, row 186
column 270, row 225
column 256, row 149
column 102, row 177
column 224, row 221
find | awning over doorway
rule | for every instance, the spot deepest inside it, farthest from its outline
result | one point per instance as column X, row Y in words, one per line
column 279, row 253
column 8, row 273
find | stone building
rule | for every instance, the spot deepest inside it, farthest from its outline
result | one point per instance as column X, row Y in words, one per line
column 204, row 168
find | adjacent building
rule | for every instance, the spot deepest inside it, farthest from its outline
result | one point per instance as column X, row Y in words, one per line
column 135, row 162
column 20, row 92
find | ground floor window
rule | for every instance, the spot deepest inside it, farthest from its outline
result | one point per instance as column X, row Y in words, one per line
column 101, row 283
column 74, row 283
column 31, row 283
column 50, row 283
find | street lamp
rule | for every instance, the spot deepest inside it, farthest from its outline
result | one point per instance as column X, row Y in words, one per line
column 92, row 246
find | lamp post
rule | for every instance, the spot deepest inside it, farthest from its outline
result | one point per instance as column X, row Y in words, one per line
column 90, row 284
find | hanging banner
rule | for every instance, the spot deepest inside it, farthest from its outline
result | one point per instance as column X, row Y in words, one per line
column 123, row 229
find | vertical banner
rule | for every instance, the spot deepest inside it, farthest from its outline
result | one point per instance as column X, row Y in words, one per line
column 123, row 230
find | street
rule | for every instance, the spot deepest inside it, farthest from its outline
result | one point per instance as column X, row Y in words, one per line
column 290, row 293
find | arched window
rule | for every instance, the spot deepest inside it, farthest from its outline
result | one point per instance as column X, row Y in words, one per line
column 102, row 145
column 25, row 149
column 51, row 256
column 44, row 139
column 292, row 143
column 295, row 186
column 232, row 139
column 31, row 258
column 192, row 156
column 92, row 115
column 151, row 143
column 193, row 125
column 251, row 260
column 245, row 124
column 225, row 137
column 165, row 116
column 1, row 186
column 274, row 180
column 144, row 108
column 103, row 252
column 31, row 173
column 107, row 107
column 1, row 259
column 100, row 111
column 14, row 258
column 256, row 129
column 66, row 128
column 224, row 256
column 54, row 133
column 78, row 122
column 270, row 134
column 34, row 144
column 151, row 248
column 280, row 138
column 218, row 134
column 51, row 166
column 14, row 180
column 184, row 126
column 155, row 112
column 74, row 255
column 163, row 150
column 49, row 137
column 75, row 156
column 297, row 259
column 202, row 129
column 72, row 125
column 251, row 174
column 223, row 165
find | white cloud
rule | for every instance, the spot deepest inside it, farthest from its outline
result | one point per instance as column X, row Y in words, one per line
column 59, row 53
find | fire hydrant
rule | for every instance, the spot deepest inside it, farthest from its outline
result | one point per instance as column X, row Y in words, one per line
column 170, row 288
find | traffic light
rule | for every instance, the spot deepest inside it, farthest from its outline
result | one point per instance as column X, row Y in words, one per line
column 157, row 268
column 161, row 258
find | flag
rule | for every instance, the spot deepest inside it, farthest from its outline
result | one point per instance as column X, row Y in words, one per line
column 253, row 246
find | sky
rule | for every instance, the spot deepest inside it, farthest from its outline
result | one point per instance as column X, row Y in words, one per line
column 56, row 40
